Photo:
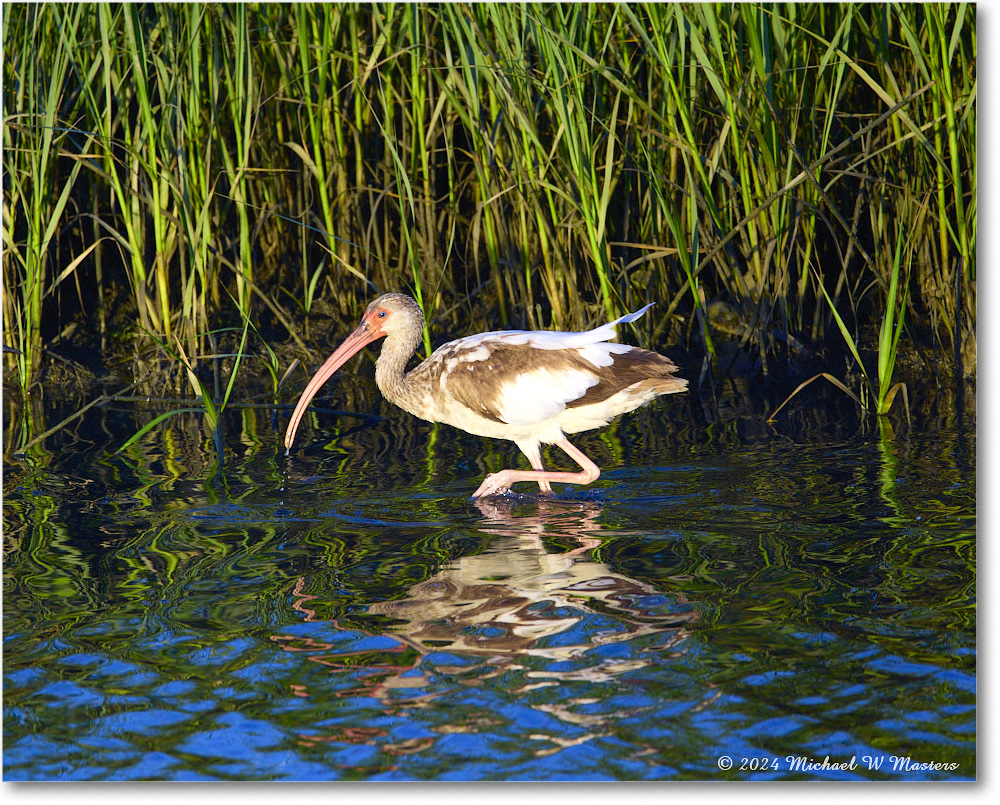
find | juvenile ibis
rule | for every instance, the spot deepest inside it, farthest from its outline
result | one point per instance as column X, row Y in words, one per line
column 531, row 387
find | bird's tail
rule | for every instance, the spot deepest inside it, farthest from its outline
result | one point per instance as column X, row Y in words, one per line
column 630, row 317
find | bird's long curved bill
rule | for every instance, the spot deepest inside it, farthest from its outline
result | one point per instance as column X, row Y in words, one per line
column 353, row 344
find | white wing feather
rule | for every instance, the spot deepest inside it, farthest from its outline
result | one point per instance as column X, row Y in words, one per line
column 552, row 339
column 536, row 396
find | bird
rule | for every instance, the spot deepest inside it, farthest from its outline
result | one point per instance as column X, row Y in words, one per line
column 531, row 387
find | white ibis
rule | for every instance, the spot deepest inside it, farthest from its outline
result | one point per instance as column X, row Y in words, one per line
column 531, row 387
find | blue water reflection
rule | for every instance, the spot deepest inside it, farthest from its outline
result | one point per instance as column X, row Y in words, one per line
column 333, row 623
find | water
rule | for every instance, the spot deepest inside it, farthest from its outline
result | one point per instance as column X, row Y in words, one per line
column 729, row 601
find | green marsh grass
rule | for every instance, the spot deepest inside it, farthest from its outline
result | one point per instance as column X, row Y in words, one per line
column 512, row 165
column 43, row 154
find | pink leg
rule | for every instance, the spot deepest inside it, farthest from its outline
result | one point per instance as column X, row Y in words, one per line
column 500, row 482
column 534, row 454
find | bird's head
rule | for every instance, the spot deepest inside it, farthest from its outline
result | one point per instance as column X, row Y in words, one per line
column 393, row 314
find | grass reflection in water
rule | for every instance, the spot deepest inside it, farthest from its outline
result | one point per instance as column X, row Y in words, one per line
column 361, row 619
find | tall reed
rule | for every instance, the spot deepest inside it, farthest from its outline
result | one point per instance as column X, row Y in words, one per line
column 512, row 165
column 44, row 150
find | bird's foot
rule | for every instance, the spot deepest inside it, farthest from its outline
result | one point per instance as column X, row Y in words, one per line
column 496, row 484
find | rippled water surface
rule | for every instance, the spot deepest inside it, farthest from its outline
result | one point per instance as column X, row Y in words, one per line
column 728, row 601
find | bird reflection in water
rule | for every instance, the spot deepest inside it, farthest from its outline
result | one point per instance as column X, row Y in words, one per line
column 517, row 607
column 516, row 598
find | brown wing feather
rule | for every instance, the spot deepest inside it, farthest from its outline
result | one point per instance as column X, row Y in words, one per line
column 477, row 383
column 630, row 368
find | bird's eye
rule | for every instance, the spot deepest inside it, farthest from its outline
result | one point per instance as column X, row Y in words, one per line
column 381, row 314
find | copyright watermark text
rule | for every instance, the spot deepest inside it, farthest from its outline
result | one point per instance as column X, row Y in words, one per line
column 889, row 763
